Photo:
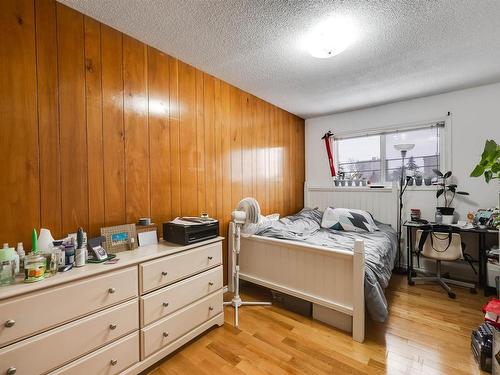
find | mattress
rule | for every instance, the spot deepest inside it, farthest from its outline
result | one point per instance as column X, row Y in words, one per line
column 380, row 250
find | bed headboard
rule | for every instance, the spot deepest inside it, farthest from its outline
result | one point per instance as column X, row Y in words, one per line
column 381, row 203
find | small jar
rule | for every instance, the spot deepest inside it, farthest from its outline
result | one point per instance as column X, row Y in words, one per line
column 7, row 272
column 34, row 268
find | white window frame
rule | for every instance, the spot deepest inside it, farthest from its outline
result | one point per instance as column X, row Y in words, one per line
column 445, row 138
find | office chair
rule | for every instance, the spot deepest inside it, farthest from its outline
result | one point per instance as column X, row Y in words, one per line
column 441, row 246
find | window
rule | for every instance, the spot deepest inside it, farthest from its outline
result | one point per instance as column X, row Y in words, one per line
column 375, row 158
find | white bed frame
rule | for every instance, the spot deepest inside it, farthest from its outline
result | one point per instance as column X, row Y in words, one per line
column 332, row 279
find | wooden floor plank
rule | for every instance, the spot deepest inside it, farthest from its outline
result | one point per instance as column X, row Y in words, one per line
column 426, row 333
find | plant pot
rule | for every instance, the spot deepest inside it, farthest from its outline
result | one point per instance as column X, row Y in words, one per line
column 447, row 219
column 446, row 210
column 363, row 182
column 336, row 182
column 342, row 182
column 418, row 181
column 428, row 181
column 349, row 182
column 410, row 181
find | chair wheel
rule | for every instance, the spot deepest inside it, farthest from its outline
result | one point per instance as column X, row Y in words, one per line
column 452, row 295
column 411, row 282
column 473, row 290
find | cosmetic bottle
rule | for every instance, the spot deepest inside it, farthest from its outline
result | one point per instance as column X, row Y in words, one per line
column 22, row 255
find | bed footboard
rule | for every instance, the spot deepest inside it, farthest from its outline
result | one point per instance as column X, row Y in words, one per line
column 327, row 277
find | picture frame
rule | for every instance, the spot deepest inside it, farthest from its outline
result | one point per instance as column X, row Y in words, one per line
column 119, row 238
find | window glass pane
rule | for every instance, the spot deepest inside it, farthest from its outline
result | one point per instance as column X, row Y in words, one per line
column 420, row 160
column 360, row 155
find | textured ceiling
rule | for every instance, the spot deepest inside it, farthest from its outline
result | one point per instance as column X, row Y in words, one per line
column 405, row 48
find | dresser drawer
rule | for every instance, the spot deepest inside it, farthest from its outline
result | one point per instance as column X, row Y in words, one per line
column 167, row 330
column 49, row 350
column 166, row 300
column 158, row 273
column 112, row 359
column 33, row 313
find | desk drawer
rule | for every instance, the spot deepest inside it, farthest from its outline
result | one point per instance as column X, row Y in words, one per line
column 159, row 334
column 34, row 313
column 166, row 300
column 158, row 273
column 49, row 350
column 112, row 359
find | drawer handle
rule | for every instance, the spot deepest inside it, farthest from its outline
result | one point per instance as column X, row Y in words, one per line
column 164, row 273
column 112, row 326
column 111, row 290
column 210, row 258
column 11, row 371
column 114, row 362
column 210, row 308
column 165, row 334
column 210, row 283
column 165, row 304
column 10, row 323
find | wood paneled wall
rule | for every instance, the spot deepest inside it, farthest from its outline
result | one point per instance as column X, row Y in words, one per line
column 99, row 129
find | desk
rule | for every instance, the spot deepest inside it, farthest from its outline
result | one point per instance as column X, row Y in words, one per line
column 481, row 234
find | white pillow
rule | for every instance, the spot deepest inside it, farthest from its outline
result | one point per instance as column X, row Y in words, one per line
column 348, row 220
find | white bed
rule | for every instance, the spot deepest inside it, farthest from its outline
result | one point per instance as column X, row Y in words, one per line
column 333, row 280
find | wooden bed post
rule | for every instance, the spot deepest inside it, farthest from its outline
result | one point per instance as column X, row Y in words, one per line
column 358, row 304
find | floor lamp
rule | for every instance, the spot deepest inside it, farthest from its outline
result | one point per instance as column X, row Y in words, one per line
column 403, row 183
column 244, row 218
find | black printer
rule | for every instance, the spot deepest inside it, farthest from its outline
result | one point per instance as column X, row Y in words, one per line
column 188, row 230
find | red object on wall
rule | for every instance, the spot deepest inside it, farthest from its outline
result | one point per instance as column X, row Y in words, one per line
column 329, row 150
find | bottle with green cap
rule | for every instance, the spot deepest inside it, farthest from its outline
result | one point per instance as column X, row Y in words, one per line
column 34, row 263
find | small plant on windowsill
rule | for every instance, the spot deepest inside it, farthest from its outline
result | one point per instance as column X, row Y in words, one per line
column 448, row 192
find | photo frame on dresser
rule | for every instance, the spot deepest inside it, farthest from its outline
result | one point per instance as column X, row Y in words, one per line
column 120, row 238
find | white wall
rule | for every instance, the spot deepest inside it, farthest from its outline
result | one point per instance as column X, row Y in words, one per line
column 475, row 118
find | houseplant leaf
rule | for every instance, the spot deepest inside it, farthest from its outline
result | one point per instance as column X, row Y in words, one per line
column 447, row 174
column 478, row 171
column 437, row 172
column 439, row 193
column 462, row 193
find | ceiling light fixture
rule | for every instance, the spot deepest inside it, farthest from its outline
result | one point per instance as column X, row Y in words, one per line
column 331, row 37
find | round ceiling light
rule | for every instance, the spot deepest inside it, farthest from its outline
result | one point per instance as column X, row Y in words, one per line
column 331, row 37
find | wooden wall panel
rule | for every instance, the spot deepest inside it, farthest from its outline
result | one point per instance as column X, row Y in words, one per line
column 93, row 97
column 72, row 119
column 102, row 129
column 175, row 155
column 135, row 121
column 159, row 134
column 209, row 140
column 48, row 117
column 187, row 140
column 19, row 188
column 112, row 124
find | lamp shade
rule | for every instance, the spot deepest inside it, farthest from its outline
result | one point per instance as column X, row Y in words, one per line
column 404, row 146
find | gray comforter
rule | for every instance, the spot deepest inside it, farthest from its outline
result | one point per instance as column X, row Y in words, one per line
column 380, row 250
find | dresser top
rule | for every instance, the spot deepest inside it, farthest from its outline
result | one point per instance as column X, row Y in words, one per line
column 126, row 259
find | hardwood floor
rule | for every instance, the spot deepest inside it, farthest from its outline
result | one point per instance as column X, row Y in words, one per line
column 426, row 333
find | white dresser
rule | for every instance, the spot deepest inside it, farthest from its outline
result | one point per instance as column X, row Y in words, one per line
column 112, row 319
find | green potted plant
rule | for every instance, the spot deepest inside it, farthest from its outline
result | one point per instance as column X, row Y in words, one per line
column 413, row 170
column 448, row 192
column 418, row 178
column 489, row 166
